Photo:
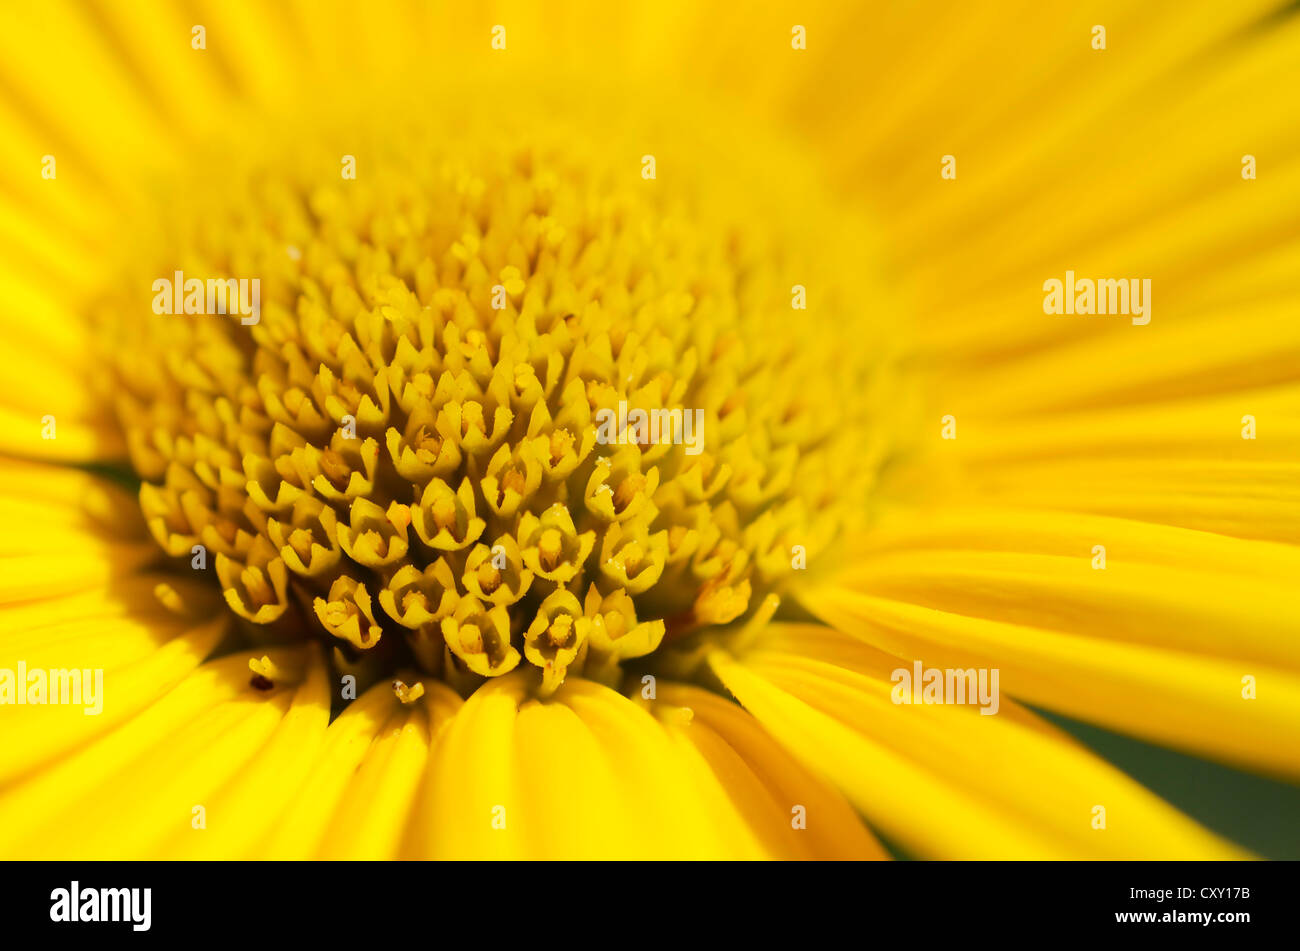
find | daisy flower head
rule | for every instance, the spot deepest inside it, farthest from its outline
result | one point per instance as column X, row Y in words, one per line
column 441, row 431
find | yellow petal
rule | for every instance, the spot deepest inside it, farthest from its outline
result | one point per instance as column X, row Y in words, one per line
column 127, row 794
column 944, row 779
column 1157, row 644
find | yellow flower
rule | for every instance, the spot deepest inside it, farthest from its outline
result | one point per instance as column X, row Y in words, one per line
column 497, row 574
column 479, row 637
column 371, row 571
column 555, row 638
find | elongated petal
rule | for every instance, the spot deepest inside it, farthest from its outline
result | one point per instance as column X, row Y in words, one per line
column 945, row 780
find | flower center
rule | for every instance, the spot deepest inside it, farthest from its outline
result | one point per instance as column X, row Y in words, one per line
column 498, row 409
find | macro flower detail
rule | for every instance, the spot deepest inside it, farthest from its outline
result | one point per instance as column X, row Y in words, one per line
column 551, row 546
column 479, row 637
column 414, row 598
column 444, row 519
column 374, row 537
column 347, row 613
column 497, row 574
column 555, row 638
column 397, row 416
column 539, row 500
column 308, row 540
